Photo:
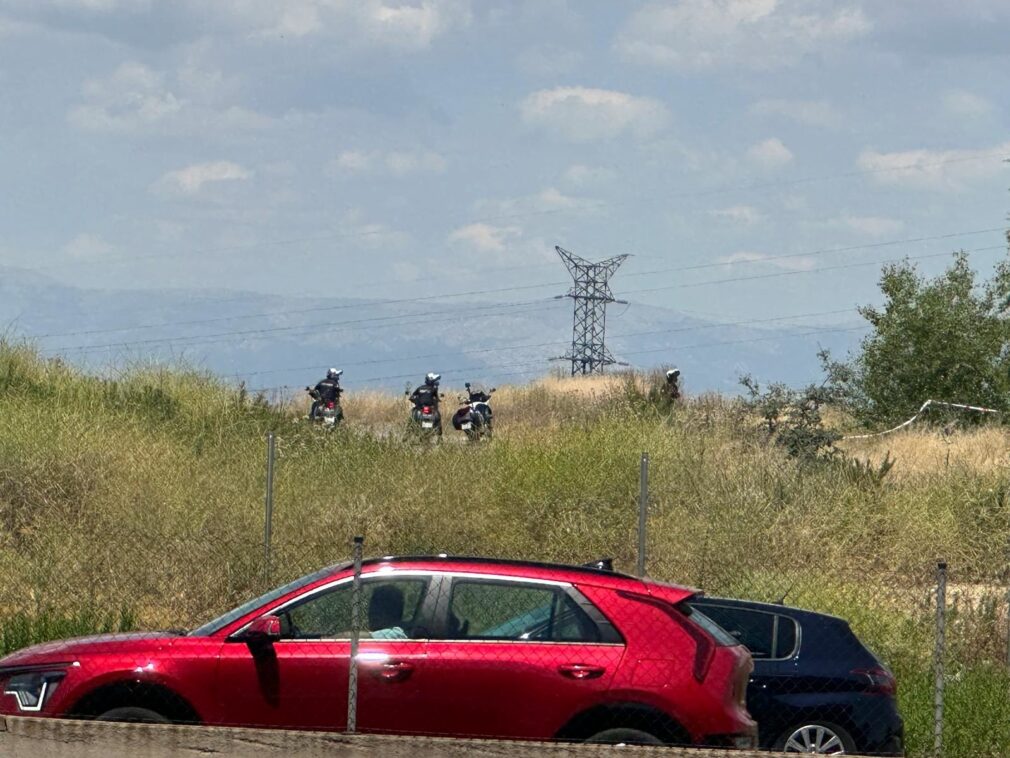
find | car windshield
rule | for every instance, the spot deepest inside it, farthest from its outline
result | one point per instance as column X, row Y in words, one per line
column 236, row 613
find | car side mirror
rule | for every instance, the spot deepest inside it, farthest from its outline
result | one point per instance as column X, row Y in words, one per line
column 263, row 631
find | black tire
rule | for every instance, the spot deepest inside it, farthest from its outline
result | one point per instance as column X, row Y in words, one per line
column 621, row 736
column 133, row 715
column 848, row 745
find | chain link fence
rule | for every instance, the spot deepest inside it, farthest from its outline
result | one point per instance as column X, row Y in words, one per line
column 837, row 653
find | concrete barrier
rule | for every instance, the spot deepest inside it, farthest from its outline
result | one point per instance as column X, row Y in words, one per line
column 60, row 738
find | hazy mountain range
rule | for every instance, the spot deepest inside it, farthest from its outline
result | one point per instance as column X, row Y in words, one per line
column 274, row 341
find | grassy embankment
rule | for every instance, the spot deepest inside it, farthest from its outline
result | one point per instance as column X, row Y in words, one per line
column 139, row 502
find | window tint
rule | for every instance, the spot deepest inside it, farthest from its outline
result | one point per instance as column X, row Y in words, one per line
column 785, row 638
column 720, row 635
column 498, row 611
column 753, row 628
column 389, row 610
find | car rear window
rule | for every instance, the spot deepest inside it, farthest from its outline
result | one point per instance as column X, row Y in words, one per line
column 720, row 635
column 767, row 635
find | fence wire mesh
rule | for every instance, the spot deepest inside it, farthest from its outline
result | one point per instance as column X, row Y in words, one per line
column 845, row 653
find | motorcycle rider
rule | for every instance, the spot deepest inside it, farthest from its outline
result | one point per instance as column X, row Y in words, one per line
column 427, row 395
column 328, row 390
column 673, row 385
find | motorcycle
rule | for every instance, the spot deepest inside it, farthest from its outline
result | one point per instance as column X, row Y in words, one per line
column 327, row 413
column 425, row 417
column 474, row 417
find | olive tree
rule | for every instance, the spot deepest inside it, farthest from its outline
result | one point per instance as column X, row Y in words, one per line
column 945, row 338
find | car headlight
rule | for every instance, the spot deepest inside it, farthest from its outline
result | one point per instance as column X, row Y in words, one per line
column 31, row 689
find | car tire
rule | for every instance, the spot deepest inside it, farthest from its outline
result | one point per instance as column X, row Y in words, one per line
column 819, row 737
column 621, row 736
column 133, row 715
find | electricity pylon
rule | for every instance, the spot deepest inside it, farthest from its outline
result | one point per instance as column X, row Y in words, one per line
column 590, row 294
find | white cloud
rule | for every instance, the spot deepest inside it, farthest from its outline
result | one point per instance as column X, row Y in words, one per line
column 395, row 163
column 799, row 263
column 874, row 226
column 740, row 214
column 87, row 246
column 963, row 104
column 92, row 6
column 770, row 154
column 190, row 180
column 761, row 34
column 583, row 114
column 818, row 113
column 355, row 23
column 548, row 200
column 553, row 199
column 138, row 99
column 484, row 237
column 934, row 169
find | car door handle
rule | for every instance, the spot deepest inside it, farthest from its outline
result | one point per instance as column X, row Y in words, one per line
column 581, row 671
column 396, row 671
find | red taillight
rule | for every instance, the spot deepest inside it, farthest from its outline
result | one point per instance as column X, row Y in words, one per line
column 879, row 681
column 426, row 409
column 331, row 406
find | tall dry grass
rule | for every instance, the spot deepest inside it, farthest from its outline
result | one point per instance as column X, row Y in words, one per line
column 141, row 499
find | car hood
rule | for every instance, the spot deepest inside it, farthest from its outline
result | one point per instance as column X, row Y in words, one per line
column 71, row 649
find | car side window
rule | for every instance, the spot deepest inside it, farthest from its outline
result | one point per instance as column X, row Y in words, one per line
column 483, row 610
column 389, row 610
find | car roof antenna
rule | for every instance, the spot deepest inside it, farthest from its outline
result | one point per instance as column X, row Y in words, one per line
column 782, row 600
column 604, row 564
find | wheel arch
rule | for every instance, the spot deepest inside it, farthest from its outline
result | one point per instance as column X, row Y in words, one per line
column 124, row 693
column 628, row 715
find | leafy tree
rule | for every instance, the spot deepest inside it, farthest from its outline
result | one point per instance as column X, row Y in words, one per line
column 946, row 338
column 792, row 418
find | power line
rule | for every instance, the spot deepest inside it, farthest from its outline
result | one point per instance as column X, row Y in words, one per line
column 823, row 251
column 822, row 269
column 596, row 205
column 299, row 311
column 530, row 346
column 690, row 267
column 227, row 336
column 539, row 366
column 206, row 339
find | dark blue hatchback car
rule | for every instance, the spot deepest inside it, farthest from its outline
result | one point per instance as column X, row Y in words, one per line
column 815, row 688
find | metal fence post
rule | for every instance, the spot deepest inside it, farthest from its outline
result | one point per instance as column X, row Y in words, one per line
column 643, row 511
column 1008, row 629
column 352, row 679
column 938, row 657
column 268, row 503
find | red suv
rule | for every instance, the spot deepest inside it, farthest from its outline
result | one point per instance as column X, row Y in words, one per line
column 450, row 646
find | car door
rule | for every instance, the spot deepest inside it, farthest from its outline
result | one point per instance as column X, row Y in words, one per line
column 301, row 680
column 516, row 658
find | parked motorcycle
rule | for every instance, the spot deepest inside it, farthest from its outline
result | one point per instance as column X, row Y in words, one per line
column 327, row 413
column 425, row 417
column 474, row 417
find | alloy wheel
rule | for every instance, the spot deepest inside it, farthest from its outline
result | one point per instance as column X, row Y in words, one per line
column 814, row 738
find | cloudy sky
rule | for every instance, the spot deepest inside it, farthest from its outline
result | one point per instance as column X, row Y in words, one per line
column 759, row 158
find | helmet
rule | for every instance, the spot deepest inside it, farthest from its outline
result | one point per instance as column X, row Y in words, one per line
column 333, row 373
column 432, row 378
column 672, row 374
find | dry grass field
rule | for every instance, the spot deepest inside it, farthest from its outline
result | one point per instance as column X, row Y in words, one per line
column 139, row 502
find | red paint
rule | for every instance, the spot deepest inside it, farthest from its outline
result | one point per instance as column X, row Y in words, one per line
column 523, row 689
